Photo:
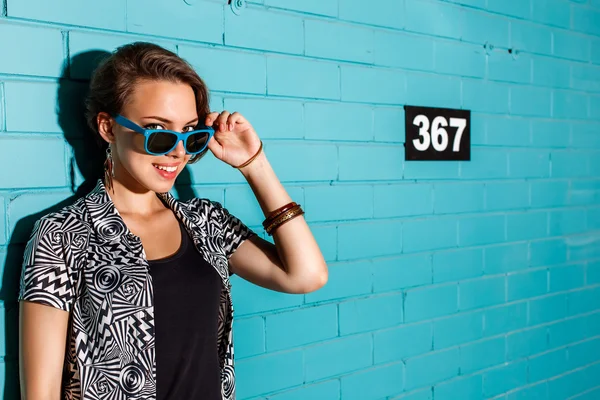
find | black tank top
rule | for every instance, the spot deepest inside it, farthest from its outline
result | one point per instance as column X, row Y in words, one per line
column 186, row 305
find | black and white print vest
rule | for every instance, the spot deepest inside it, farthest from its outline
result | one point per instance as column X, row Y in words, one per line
column 83, row 259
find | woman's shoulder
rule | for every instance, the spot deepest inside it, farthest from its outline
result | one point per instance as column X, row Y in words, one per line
column 68, row 218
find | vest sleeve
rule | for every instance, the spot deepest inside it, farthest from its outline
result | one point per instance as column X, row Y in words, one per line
column 45, row 277
column 233, row 231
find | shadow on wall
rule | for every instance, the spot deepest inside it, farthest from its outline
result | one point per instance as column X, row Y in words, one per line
column 88, row 159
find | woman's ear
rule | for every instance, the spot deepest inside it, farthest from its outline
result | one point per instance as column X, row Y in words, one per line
column 105, row 127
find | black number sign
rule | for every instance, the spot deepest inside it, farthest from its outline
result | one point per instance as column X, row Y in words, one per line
column 441, row 134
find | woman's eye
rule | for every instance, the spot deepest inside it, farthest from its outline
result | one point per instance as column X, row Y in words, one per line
column 154, row 126
column 188, row 129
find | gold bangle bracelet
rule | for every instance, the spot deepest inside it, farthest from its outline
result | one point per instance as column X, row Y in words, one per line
column 251, row 158
column 284, row 218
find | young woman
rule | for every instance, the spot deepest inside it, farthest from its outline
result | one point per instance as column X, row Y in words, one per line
column 125, row 294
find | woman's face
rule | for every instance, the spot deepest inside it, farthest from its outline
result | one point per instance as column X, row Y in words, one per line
column 153, row 105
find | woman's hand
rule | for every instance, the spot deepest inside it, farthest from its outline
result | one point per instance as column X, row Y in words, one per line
column 235, row 140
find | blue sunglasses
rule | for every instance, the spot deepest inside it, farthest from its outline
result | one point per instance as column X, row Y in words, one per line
column 159, row 142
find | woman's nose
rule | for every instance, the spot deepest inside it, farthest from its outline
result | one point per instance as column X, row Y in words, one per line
column 179, row 150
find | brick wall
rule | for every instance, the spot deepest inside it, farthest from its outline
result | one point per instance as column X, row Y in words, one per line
column 448, row 280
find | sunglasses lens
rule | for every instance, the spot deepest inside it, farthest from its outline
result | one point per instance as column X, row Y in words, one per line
column 161, row 142
column 196, row 142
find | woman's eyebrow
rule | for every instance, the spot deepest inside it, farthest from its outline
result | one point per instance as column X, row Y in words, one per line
column 166, row 121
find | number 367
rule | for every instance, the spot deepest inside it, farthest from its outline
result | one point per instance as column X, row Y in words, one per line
column 438, row 137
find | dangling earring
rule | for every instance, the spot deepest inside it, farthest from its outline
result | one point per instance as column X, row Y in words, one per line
column 109, row 169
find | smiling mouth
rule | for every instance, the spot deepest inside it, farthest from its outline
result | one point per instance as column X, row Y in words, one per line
column 165, row 168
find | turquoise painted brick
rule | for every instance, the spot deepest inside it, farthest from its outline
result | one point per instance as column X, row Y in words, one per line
column 549, row 193
column 393, row 17
column 352, row 122
column 571, row 45
column 567, row 164
column 249, row 337
column 2, row 231
column 520, row 10
column 432, row 18
column 299, row 77
column 522, row 285
column 44, row 55
column 459, row 329
column 429, row 234
column 387, row 124
column 594, row 107
column 486, row 163
column 548, row 365
column 255, row 375
column 526, row 343
column 322, row 7
column 482, row 354
column 81, row 42
column 595, row 56
column 24, row 99
column 551, row 72
column 483, row 292
column 403, row 200
column 211, row 170
column 585, row 20
column 430, row 302
column 209, row 62
column 551, row 12
column 500, row 380
column 584, row 135
column 505, row 319
column 431, row 368
column 50, row 152
column 322, row 168
column 529, row 164
column 592, row 274
column 425, row 170
column 471, row 3
column 390, row 49
column 584, row 192
column 582, row 301
column 320, row 391
column 539, row 391
column 567, row 331
column 265, row 30
column 584, row 353
column 326, row 237
column 373, row 85
column 530, row 101
column 391, row 274
column 456, row 198
column 300, row 327
column 464, row 388
column 371, row 162
column 206, row 17
column 370, row 314
column 323, row 40
column 365, row 240
column 572, row 383
column 387, row 342
column 253, row 299
column 432, row 90
column 567, row 278
column 108, row 15
column 425, row 394
column 570, row 105
column 345, row 280
column 491, row 97
column 338, row 202
column 272, row 119
column 504, row 67
column 455, row 265
column 467, row 59
column 548, row 252
column 506, row 258
column 374, row 384
column 567, row 222
column 242, row 203
column 507, row 131
column 526, row 226
column 481, row 230
column 533, row 38
column 482, row 27
column 338, row 357
column 506, row 195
